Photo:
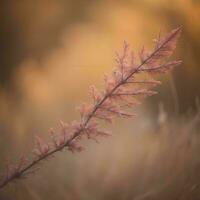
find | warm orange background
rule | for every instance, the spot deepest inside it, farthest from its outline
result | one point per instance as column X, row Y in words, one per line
column 51, row 51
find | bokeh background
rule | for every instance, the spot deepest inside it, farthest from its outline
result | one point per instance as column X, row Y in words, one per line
column 51, row 51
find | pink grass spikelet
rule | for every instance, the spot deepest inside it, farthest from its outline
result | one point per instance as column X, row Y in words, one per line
column 124, row 88
column 95, row 94
column 41, row 148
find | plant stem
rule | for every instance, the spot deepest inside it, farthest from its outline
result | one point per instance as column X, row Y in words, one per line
column 32, row 164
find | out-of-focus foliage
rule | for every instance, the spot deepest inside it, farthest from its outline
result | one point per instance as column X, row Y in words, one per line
column 156, row 162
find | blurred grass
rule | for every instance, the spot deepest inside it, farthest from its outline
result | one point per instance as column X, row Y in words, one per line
column 159, row 161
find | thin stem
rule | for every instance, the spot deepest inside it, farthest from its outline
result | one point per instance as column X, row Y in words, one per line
column 87, row 120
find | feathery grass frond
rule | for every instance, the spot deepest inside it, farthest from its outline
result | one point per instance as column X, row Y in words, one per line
column 123, row 89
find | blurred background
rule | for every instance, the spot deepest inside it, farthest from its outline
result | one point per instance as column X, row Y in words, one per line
column 52, row 51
